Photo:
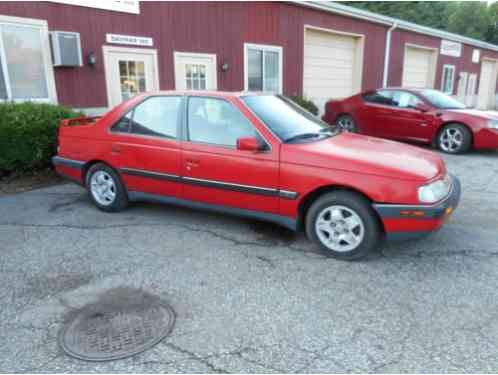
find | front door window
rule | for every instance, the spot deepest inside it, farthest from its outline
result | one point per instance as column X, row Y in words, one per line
column 132, row 78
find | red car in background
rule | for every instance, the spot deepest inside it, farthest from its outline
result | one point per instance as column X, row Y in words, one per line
column 419, row 115
column 258, row 156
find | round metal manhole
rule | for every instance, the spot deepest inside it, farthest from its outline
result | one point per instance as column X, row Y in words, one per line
column 122, row 323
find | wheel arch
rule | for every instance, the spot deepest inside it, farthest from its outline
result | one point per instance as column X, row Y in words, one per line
column 306, row 202
column 89, row 164
column 445, row 124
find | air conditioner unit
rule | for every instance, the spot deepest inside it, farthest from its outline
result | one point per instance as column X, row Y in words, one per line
column 66, row 48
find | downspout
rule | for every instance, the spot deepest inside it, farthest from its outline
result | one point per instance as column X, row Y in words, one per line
column 387, row 54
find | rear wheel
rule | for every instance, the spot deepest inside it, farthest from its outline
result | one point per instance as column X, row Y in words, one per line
column 346, row 123
column 105, row 188
column 344, row 225
column 454, row 139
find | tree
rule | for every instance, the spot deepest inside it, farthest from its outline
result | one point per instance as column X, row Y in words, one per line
column 470, row 18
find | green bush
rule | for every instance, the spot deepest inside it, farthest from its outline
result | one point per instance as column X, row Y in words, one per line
column 305, row 103
column 28, row 134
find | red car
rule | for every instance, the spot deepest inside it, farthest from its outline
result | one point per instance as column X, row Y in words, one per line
column 419, row 115
column 258, row 156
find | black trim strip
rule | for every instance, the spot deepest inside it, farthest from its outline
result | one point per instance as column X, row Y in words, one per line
column 430, row 212
column 76, row 164
column 212, row 184
column 406, row 236
column 278, row 219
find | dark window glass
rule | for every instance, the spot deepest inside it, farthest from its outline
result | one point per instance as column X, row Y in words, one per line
column 157, row 116
column 216, row 121
column 283, row 117
column 123, row 125
column 379, row 97
column 403, row 99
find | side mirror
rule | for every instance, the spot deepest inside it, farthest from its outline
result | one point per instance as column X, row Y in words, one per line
column 422, row 107
column 248, row 144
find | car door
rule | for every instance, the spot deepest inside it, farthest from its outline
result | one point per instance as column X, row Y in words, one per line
column 146, row 140
column 215, row 172
column 407, row 121
column 373, row 114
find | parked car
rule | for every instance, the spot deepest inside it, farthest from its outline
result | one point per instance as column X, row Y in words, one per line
column 419, row 115
column 263, row 157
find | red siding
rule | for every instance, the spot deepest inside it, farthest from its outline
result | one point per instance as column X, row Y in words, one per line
column 221, row 28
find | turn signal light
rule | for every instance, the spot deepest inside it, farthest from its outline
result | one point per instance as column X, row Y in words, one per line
column 412, row 213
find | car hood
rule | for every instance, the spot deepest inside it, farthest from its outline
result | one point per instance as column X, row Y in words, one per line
column 367, row 155
column 488, row 115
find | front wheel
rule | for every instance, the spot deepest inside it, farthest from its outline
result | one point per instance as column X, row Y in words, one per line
column 346, row 123
column 454, row 139
column 344, row 225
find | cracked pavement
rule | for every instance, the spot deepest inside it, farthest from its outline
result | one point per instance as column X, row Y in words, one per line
column 250, row 296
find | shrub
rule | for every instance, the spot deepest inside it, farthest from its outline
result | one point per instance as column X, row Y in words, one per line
column 28, row 133
column 305, row 103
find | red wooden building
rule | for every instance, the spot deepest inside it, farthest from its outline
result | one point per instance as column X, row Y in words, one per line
column 316, row 49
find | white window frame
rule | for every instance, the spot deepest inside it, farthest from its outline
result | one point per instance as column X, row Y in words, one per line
column 263, row 48
column 42, row 25
column 452, row 68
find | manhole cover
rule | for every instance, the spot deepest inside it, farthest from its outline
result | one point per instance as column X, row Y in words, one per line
column 122, row 323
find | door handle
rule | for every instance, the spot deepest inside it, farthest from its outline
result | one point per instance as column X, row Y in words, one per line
column 191, row 163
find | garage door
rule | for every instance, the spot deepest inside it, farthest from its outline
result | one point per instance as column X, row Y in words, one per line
column 330, row 65
column 487, row 85
column 418, row 68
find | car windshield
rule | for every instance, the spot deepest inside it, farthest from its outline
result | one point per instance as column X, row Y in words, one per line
column 442, row 101
column 286, row 119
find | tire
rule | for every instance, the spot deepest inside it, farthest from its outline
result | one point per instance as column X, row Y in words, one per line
column 346, row 123
column 105, row 188
column 454, row 139
column 364, row 225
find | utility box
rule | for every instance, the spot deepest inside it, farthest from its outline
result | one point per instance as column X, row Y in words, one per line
column 66, row 48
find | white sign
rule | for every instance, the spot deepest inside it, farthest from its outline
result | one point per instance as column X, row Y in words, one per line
column 127, row 6
column 476, row 56
column 129, row 39
column 450, row 48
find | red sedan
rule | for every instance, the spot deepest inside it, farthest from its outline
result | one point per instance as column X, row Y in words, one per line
column 258, row 156
column 418, row 115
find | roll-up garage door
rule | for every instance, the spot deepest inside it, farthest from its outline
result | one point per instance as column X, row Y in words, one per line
column 331, row 66
column 418, row 68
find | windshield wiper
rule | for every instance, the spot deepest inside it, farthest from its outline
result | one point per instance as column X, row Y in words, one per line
column 303, row 136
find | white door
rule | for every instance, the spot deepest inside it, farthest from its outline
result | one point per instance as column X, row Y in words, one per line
column 332, row 66
column 487, row 85
column 418, row 68
column 462, row 86
column 195, row 71
column 470, row 94
column 128, row 72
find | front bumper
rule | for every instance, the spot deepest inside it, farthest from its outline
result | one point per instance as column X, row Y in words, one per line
column 404, row 222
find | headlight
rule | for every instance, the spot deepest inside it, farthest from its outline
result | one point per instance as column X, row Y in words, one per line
column 493, row 124
column 435, row 191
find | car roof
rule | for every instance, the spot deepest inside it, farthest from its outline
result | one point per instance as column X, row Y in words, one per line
column 205, row 93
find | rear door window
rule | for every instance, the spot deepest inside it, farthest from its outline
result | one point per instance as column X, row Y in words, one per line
column 383, row 97
column 157, row 116
column 403, row 99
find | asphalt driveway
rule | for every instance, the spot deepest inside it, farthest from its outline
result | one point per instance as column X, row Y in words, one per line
column 250, row 296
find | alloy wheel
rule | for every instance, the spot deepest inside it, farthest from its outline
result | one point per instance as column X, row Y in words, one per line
column 103, row 188
column 451, row 139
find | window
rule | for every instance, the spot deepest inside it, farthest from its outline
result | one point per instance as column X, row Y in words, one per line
column 403, row 99
column 379, row 97
column 25, row 66
column 263, row 68
column 123, row 125
column 283, row 117
column 195, row 76
column 448, row 79
column 216, row 121
column 156, row 116
column 440, row 100
column 132, row 78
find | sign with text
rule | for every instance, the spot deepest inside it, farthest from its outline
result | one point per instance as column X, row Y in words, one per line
column 450, row 48
column 130, row 40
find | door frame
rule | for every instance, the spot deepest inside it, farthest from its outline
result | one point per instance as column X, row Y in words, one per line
column 108, row 50
column 177, row 55
column 433, row 67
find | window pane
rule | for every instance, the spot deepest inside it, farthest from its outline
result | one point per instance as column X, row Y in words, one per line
column 255, row 70
column 379, row 97
column 271, row 82
column 217, row 122
column 25, row 64
column 157, row 116
column 123, row 125
column 404, row 99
